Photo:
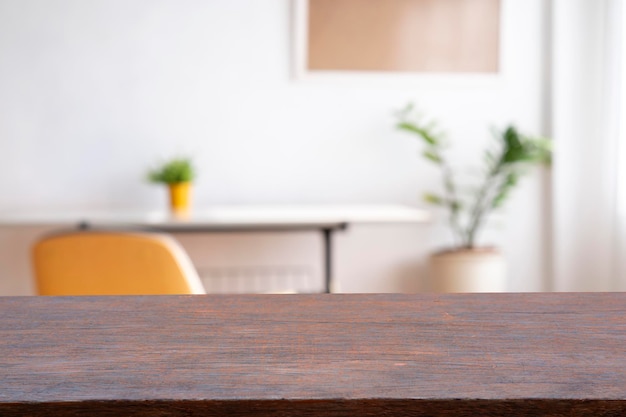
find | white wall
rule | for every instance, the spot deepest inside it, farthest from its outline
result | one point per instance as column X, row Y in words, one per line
column 93, row 92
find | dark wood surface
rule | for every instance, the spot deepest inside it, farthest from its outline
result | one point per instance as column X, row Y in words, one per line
column 314, row 355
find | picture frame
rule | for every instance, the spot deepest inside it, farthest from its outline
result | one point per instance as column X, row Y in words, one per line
column 302, row 73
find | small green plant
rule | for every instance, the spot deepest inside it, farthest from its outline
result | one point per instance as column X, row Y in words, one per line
column 503, row 165
column 173, row 171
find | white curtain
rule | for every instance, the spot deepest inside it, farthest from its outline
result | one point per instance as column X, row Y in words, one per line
column 589, row 171
column 619, row 123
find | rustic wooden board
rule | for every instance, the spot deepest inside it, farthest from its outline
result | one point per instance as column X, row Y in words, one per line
column 309, row 355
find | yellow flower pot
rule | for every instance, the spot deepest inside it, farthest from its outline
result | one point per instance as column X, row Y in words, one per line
column 180, row 197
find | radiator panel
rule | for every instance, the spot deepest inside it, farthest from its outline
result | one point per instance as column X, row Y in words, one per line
column 262, row 262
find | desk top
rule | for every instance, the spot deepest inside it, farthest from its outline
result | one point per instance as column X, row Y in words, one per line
column 245, row 216
column 331, row 355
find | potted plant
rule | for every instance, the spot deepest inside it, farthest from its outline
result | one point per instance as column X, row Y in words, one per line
column 177, row 174
column 467, row 267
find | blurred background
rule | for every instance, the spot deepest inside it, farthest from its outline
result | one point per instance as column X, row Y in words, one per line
column 94, row 92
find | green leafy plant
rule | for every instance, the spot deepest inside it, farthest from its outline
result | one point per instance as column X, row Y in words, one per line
column 173, row 171
column 504, row 163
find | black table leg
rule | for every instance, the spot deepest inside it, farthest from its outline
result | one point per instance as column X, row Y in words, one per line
column 328, row 259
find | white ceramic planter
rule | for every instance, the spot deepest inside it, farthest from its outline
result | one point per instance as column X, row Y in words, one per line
column 468, row 270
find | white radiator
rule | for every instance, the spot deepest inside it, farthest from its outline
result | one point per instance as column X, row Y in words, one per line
column 260, row 279
column 256, row 262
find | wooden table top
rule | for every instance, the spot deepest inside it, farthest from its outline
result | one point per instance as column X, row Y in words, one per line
column 306, row 355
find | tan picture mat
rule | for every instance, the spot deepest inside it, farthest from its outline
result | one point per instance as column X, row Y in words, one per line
column 404, row 35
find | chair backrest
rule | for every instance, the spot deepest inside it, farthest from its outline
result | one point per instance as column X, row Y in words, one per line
column 113, row 263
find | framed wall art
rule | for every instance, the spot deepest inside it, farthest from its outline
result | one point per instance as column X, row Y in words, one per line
column 384, row 37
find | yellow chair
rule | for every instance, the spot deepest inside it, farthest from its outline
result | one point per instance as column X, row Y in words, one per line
column 113, row 263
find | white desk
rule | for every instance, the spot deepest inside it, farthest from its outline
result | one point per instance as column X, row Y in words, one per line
column 244, row 218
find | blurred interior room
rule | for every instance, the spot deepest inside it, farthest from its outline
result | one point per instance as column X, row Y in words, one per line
column 356, row 146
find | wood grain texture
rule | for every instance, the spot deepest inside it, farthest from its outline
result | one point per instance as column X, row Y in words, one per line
column 310, row 355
